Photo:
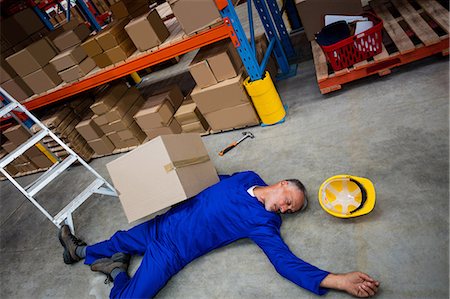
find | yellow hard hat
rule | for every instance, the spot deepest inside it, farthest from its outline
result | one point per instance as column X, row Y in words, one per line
column 347, row 196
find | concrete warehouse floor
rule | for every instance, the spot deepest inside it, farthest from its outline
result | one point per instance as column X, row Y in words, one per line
column 393, row 130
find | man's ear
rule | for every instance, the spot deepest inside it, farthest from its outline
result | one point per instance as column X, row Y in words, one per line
column 284, row 183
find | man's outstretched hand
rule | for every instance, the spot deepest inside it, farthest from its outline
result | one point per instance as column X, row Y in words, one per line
column 357, row 284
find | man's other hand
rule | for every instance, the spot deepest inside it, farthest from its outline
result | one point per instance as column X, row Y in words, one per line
column 357, row 284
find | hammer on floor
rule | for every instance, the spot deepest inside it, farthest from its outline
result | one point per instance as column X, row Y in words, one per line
column 234, row 144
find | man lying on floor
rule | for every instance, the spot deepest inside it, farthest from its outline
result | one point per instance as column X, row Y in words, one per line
column 239, row 206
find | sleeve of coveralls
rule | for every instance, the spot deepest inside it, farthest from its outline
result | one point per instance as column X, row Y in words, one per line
column 286, row 263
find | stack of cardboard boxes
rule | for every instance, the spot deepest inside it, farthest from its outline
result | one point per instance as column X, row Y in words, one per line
column 112, row 125
column 62, row 121
column 156, row 116
column 111, row 46
column 33, row 158
column 12, row 83
column 190, row 118
column 32, row 65
column 219, row 94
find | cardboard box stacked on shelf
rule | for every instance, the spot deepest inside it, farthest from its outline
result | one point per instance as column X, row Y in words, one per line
column 190, row 118
column 32, row 65
column 62, row 121
column 147, row 31
column 129, row 8
column 32, row 159
column 12, row 83
column 111, row 46
column 194, row 15
column 73, row 64
column 156, row 116
column 219, row 94
column 112, row 125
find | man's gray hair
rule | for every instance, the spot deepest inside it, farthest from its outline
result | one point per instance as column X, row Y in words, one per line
column 302, row 188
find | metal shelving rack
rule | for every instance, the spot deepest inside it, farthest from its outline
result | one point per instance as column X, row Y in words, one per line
column 229, row 27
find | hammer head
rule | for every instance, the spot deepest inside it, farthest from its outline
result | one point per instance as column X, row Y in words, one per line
column 249, row 134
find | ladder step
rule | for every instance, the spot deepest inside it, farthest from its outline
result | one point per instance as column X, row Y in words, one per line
column 22, row 148
column 49, row 175
column 77, row 201
column 8, row 108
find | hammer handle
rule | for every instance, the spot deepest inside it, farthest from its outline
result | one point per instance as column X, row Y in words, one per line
column 228, row 148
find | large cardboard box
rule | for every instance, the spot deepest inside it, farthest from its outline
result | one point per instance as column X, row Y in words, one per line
column 88, row 128
column 109, row 98
column 112, row 36
column 161, row 173
column 92, row 47
column 28, row 21
column 312, row 12
column 121, row 52
column 72, row 37
column 43, row 79
column 195, row 15
column 228, row 93
column 224, row 60
column 68, row 58
column 32, row 58
column 156, row 112
column 78, row 71
column 147, row 31
column 173, row 127
column 102, row 145
column 17, row 88
column 232, row 117
column 125, row 103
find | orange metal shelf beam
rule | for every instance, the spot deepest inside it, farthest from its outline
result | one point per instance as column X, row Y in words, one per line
column 220, row 32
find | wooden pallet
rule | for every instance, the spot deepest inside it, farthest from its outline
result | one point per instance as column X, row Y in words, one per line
column 413, row 30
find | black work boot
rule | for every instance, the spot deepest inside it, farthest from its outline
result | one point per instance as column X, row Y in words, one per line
column 70, row 244
column 107, row 265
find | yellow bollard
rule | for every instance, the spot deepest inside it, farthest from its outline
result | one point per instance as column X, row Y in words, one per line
column 266, row 99
column 136, row 78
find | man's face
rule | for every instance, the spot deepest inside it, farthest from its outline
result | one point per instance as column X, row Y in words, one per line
column 285, row 198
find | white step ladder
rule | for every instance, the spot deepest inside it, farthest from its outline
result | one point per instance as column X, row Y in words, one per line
column 99, row 185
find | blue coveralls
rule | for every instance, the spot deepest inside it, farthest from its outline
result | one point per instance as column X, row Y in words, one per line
column 217, row 216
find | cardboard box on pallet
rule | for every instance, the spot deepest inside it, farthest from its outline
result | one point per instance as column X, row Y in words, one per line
column 16, row 134
column 17, row 88
column 201, row 72
column 100, row 120
column 116, row 140
column 123, row 105
column 156, row 112
column 88, row 128
column 155, row 167
column 107, row 129
column 224, row 60
column 92, row 47
column 195, row 127
column 194, row 15
column 32, row 58
column 225, row 94
column 77, row 71
column 232, row 117
column 43, row 79
column 133, row 131
column 41, row 161
column 147, row 31
column 127, row 120
column 72, row 37
column 172, row 93
column 109, row 98
column 102, row 145
column 68, row 58
column 173, row 127
column 312, row 12
column 188, row 113
column 112, row 36
column 122, row 51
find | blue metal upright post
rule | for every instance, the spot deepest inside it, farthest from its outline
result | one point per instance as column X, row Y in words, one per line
column 44, row 18
column 245, row 49
column 279, row 23
column 272, row 34
column 88, row 15
column 292, row 15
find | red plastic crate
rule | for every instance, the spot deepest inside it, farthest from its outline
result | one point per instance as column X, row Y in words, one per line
column 357, row 48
